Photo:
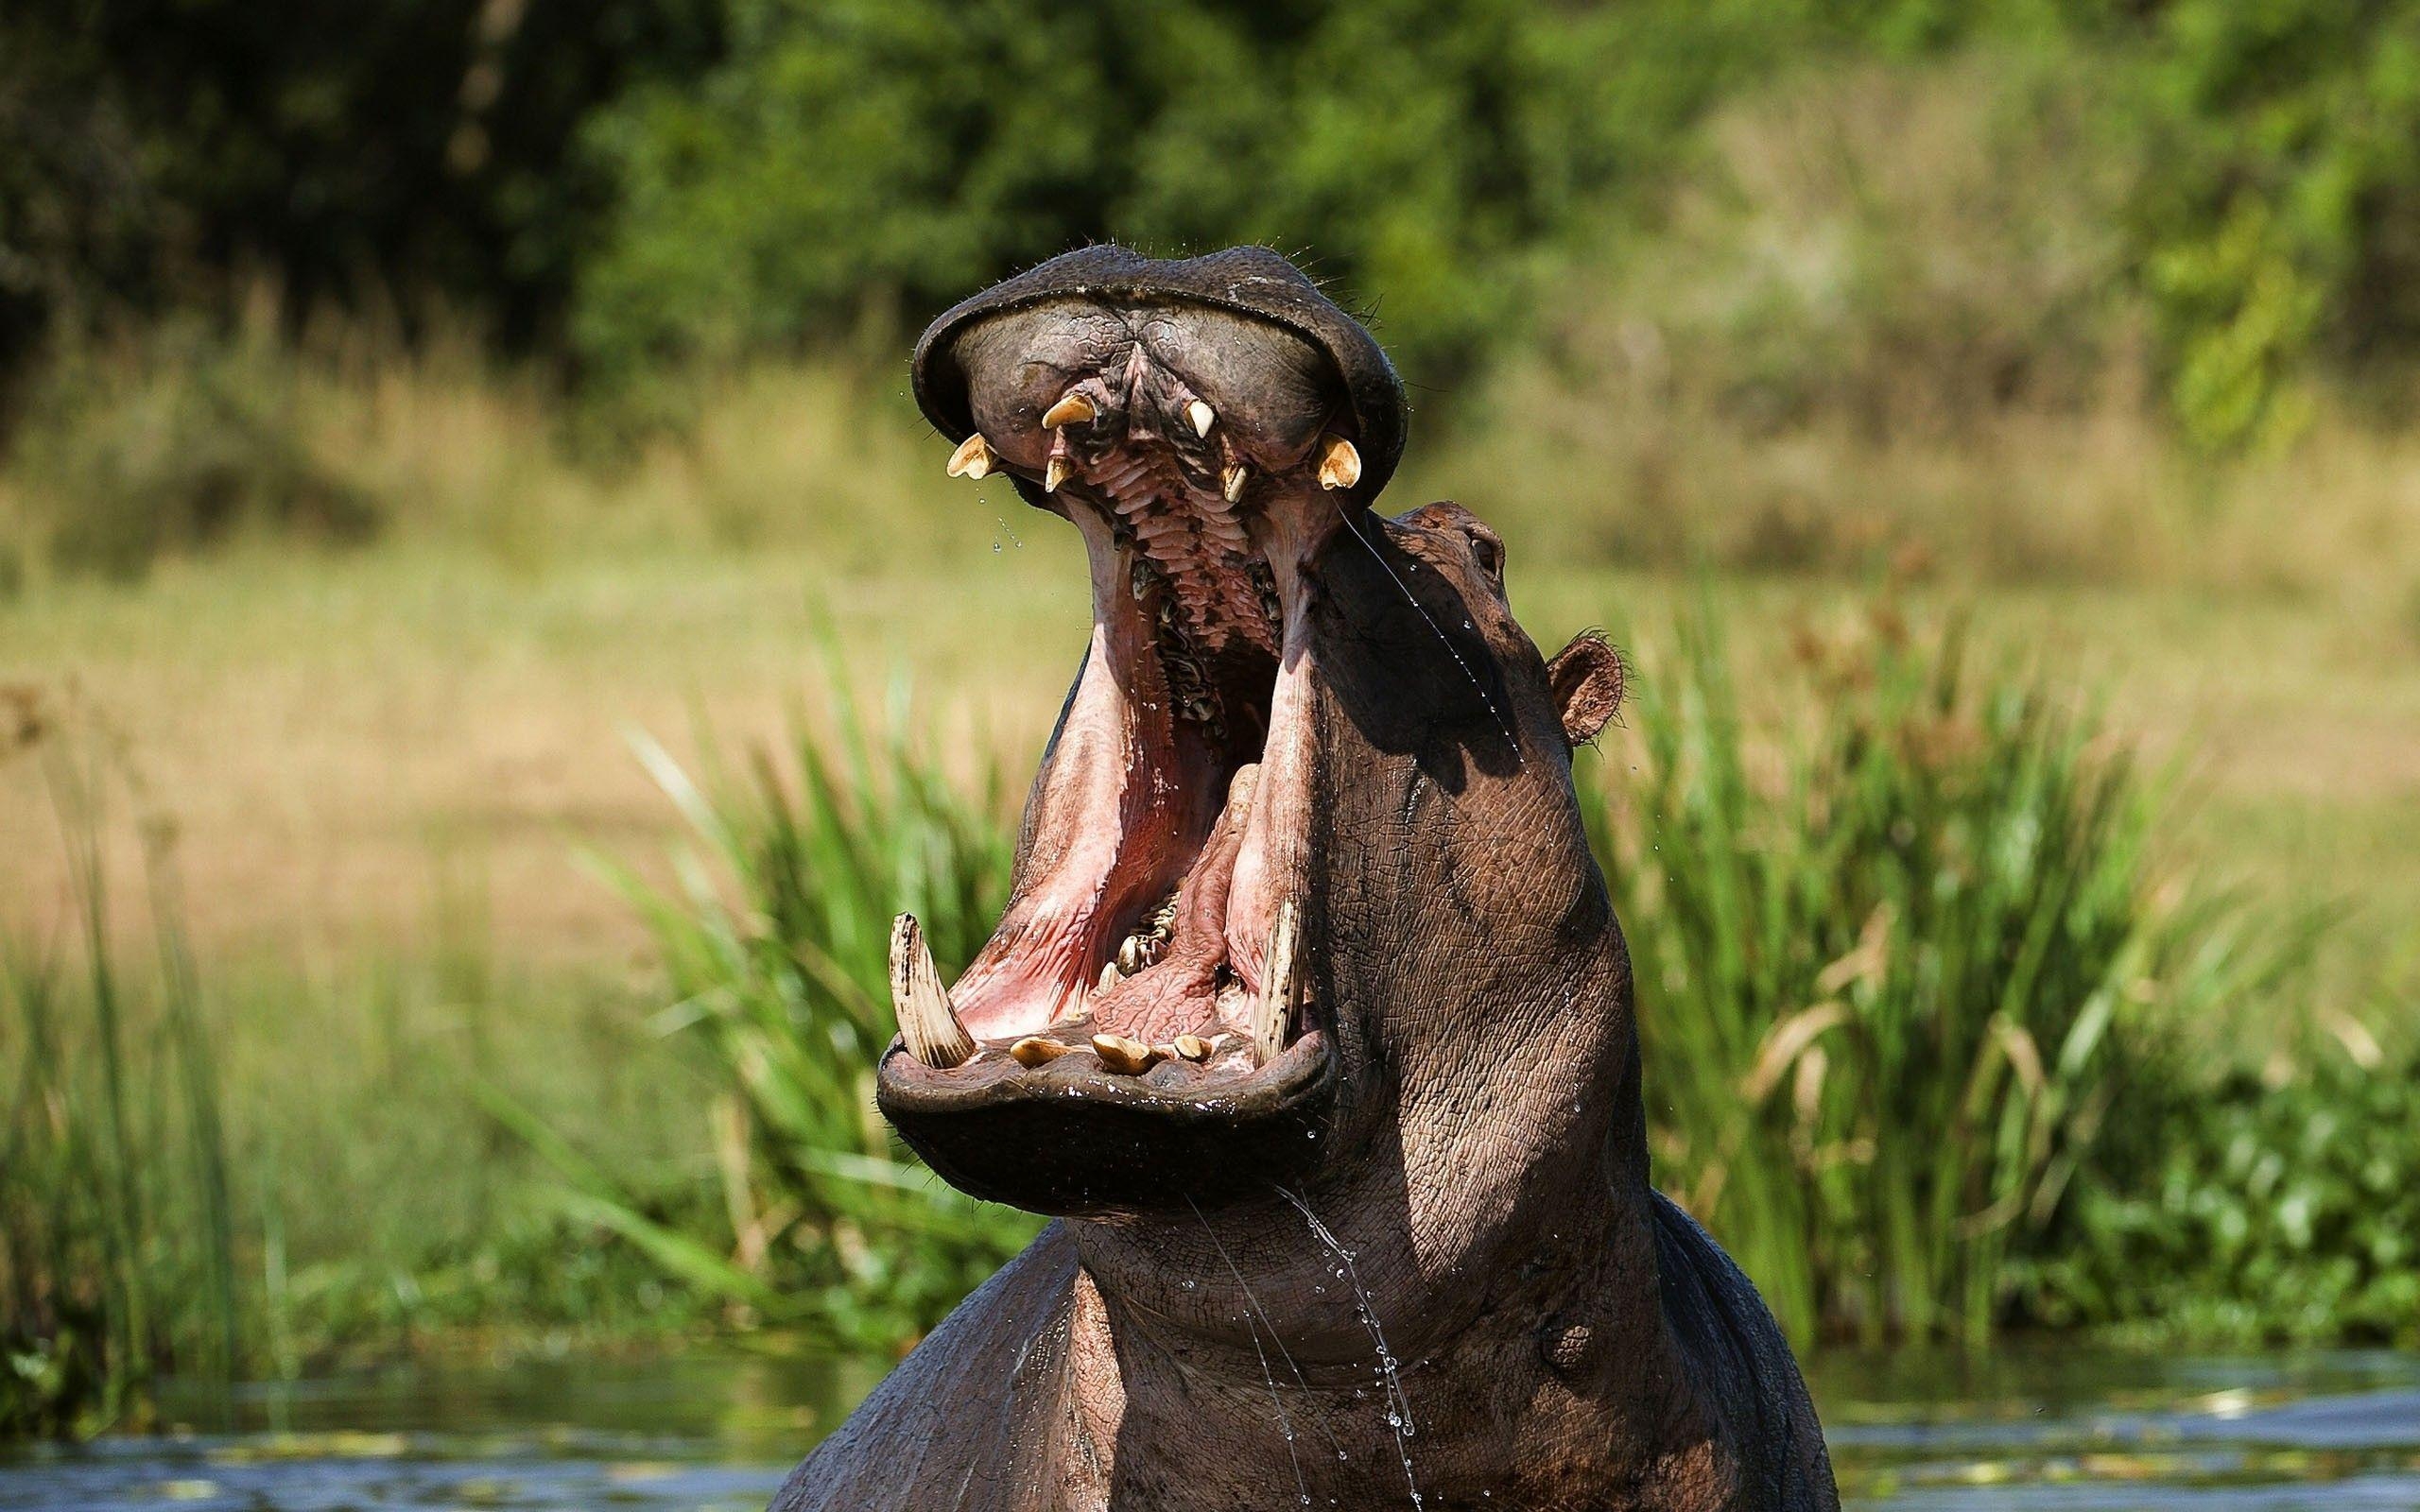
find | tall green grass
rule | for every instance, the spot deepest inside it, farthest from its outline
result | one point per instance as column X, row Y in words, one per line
column 775, row 942
column 1900, row 959
column 117, row 1251
column 1907, row 952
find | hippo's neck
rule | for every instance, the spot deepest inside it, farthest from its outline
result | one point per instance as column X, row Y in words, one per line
column 1281, row 1347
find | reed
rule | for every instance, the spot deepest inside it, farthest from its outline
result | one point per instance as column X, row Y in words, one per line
column 1899, row 967
column 117, row 1251
column 776, row 944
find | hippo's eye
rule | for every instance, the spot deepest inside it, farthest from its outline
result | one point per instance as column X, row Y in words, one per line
column 1487, row 547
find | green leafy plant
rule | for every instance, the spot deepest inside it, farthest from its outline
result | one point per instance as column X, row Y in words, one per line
column 2254, row 1209
column 775, row 942
column 1896, row 971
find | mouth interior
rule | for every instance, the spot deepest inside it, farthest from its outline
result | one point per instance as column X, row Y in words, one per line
column 1159, row 893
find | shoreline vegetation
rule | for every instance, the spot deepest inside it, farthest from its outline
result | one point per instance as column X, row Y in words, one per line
column 1917, row 902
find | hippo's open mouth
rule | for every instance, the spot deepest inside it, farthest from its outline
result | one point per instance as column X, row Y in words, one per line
column 1148, row 1011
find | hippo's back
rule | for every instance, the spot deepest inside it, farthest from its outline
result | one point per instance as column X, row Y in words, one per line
column 1748, row 1371
column 974, row 1419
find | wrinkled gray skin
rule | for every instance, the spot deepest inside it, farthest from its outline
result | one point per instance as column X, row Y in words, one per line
column 1562, row 1335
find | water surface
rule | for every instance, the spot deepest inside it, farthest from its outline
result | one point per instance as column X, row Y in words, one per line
column 712, row 1431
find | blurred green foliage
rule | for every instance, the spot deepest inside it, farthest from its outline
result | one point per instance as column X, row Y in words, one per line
column 859, row 155
column 187, row 441
column 377, row 155
column 683, row 181
column 2276, row 1209
column 1897, row 975
column 776, row 941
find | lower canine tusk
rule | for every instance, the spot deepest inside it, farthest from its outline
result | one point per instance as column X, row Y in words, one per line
column 926, row 1021
column 1054, row 473
column 1201, row 417
column 1272, row 1011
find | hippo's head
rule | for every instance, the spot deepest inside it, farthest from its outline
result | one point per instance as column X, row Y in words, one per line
column 1303, row 899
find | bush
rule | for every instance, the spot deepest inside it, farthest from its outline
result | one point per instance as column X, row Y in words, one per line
column 778, row 958
column 174, row 445
column 1896, row 971
column 2257, row 1210
column 875, row 159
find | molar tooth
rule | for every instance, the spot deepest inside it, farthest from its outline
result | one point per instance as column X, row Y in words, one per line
column 1072, row 409
column 1339, row 464
column 1130, row 956
column 1233, row 482
column 1054, row 473
column 1035, row 1051
column 973, row 458
column 1127, row 1057
column 1192, row 1048
column 928, row 1021
column 1279, row 987
column 1202, row 417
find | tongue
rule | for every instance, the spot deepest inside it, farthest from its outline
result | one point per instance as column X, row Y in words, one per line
column 1179, row 995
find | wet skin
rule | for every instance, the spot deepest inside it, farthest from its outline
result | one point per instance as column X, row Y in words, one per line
column 1308, row 1013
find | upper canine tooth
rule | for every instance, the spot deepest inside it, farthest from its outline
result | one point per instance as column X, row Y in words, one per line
column 1279, row 987
column 973, row 458
column 1054, row 473
column 1339, row 464
column 1202, row 417
column 1232, row 484
column 1073, row 409
column 927, row 1021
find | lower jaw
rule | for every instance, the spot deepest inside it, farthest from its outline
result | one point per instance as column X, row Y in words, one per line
column 1066, row 1139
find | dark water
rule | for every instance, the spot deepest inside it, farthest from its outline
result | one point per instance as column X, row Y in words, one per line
column 2058, row 1431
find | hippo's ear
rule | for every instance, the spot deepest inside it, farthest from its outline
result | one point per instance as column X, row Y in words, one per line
column 1586, row 677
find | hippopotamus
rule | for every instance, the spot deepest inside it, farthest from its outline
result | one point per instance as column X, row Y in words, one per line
column 1307, row 1020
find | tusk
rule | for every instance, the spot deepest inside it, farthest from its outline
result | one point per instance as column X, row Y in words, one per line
column 927, row 1021
column 1234, row 482
column 1035, row 1051
column 1055, row 473
column 1074, row 409
column 1274, row 1008
column 1339, row 464
column 1202, row 417
column 973, row 458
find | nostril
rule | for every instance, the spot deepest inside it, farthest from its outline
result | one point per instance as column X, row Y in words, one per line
column 1488, row 548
